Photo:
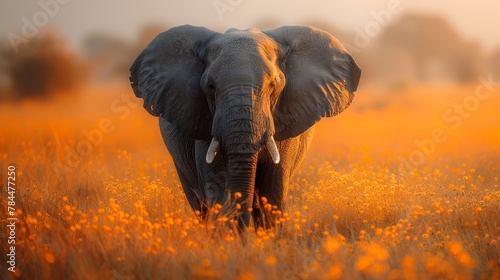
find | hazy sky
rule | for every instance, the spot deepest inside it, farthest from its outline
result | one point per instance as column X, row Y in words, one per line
column 475, row 20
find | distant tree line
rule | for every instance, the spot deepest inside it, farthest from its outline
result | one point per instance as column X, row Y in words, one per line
column 410, row 49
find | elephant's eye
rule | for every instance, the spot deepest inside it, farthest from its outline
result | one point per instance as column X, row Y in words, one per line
column 211, row 87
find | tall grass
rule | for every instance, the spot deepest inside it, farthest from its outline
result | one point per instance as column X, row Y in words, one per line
column 354, row 211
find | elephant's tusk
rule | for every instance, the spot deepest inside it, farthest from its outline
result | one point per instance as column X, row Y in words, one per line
column 273, row 150
column 212, row 150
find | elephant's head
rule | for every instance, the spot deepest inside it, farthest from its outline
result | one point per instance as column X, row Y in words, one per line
column 243, row 89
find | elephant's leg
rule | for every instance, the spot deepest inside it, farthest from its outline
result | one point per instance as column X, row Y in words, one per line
column 272, row 180
column 212, row 177
column 270, row 186
column 256, row 211
column 182, row 150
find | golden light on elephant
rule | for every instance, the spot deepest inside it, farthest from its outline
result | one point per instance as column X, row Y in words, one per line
column 223, row 98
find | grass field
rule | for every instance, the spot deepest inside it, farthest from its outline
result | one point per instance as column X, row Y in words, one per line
column 403, row 185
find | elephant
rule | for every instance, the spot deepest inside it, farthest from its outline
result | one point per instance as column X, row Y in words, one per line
column 237, row 109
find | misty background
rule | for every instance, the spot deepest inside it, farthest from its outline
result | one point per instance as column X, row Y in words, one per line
column 51, row 46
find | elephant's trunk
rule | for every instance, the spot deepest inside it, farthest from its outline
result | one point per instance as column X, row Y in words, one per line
column 241, row 143
column 242, row 126
column 241, row 170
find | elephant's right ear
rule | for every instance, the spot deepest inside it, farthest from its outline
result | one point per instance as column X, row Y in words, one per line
column 321, row 78
column 167, row 76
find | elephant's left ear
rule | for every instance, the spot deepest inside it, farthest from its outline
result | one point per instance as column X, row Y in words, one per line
column 321, row 78
column 167, row 76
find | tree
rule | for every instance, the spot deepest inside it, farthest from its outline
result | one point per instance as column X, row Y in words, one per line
column 43, row 67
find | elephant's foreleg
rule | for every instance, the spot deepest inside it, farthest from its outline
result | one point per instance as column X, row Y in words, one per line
column 273, row 179
column 256, row 211
column 270, row 185
column 182, row 151
column 212, row 178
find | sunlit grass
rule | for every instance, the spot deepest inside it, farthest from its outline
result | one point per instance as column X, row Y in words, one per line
column 353, row 210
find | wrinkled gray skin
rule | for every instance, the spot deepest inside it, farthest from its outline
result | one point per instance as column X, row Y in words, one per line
column 241, row 88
